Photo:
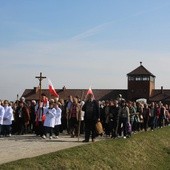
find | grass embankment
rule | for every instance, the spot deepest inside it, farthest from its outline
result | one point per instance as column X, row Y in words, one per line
column 143, row 151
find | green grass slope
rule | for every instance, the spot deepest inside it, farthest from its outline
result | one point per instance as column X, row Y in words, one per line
column 143, row 151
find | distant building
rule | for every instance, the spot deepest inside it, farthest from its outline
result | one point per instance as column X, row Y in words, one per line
column 141, row 84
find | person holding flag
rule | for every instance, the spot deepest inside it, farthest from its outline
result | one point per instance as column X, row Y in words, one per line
column 91, row 116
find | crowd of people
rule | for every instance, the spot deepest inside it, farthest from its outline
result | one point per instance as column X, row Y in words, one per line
column 122, row 118
column 119, row 118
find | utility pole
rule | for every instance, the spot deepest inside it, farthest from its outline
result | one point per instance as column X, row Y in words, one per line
column 40, row 78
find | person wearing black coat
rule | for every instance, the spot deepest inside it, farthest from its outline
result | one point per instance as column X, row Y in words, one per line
column 91, row 116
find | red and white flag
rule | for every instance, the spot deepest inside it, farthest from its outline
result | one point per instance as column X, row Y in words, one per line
column 51, row 89
column 90, row 91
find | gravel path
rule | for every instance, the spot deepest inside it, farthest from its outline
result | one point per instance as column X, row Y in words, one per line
column 26, row 146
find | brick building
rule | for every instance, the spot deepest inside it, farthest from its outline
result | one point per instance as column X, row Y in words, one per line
column 141, row 84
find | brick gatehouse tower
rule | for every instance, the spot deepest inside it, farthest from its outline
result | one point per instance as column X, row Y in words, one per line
column 141, row 83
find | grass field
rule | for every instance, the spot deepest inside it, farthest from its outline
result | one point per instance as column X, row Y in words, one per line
column 143, row 151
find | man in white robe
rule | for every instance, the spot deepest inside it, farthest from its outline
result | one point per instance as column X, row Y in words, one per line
column 7, row 119
column 57, row 119
column 1, row 117
column 49, row 122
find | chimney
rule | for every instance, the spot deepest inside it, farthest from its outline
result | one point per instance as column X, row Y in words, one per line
column 161, row 89
column 140, row 63
column 64, row 88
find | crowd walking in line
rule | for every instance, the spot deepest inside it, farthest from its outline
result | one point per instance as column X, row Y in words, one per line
column 119, row 118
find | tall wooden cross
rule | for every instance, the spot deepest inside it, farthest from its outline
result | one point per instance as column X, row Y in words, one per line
column 40, row 78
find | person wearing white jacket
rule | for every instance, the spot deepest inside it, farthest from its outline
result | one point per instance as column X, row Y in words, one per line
column 7, row 119
column 1, row 116
column 57, row 119
column 49, row 123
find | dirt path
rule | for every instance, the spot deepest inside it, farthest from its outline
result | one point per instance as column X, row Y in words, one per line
column 26, row 146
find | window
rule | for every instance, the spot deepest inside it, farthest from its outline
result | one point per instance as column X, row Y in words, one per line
column 145, row 78
column 138, row 78
column 131, row 78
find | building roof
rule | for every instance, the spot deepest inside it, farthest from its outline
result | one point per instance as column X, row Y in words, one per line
column 141, row 70
column 99, row 94
column 160, row 95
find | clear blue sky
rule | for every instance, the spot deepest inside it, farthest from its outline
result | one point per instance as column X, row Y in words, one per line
column 82, row 43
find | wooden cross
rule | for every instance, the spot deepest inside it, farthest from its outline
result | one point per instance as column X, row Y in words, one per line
column 40, row 78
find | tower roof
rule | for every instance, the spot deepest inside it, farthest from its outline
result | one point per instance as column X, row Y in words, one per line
column 141, row 70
